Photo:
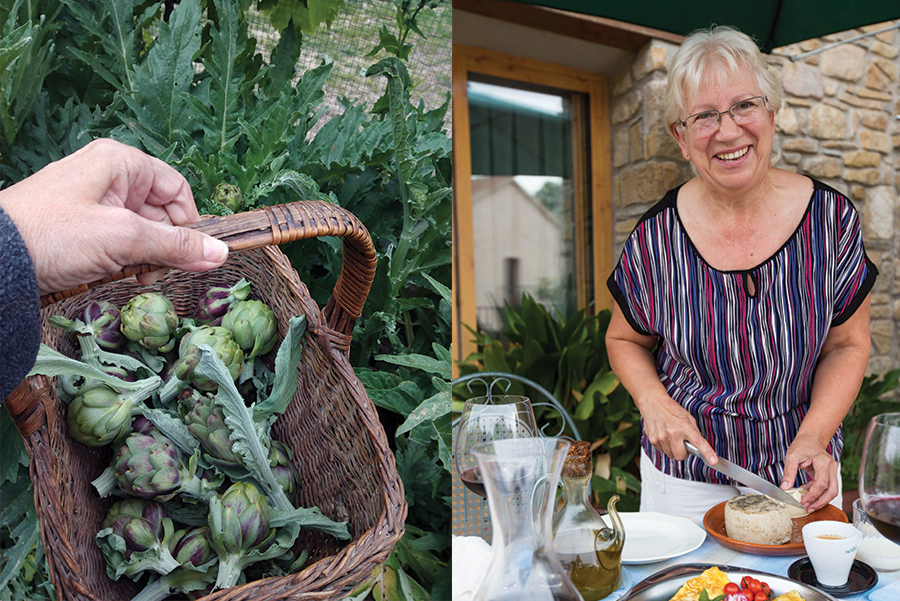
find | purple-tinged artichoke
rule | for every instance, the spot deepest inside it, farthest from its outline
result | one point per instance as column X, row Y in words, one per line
column 135, row 536
column 150, row 320
column 221, row 341
column 142, row 425
column 194, row 547
column 217, row 301
column 239, row 524
column 228, row 195
column 99, row 414
column 104, row 320
column 285, row 472
column 150, row 466
column 254, row 327
column 206, row 422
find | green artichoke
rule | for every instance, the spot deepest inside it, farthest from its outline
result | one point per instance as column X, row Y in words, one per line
column 135, row 536
column 221, row 341
column 228, row 195
column 206, row 422
column 150, row 466
column 239, row 523
column 194, row 547
column 150, row 320
column 254, row 327
column 284, row 470
column 99, row 414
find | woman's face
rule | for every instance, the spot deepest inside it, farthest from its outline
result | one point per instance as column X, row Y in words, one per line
column 733, row 157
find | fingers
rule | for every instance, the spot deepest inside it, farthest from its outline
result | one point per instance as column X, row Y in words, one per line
column 179, row 247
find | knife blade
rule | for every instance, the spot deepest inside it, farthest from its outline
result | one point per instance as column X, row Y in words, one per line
column 745, row 477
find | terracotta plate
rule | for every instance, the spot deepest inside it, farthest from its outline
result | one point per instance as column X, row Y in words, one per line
column 714, row 522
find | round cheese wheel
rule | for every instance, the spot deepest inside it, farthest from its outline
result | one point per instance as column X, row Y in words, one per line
column 757, row 519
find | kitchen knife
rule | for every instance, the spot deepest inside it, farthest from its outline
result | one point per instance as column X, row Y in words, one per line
column 746, row 478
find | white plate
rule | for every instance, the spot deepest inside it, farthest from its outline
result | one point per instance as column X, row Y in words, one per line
column 652, row 536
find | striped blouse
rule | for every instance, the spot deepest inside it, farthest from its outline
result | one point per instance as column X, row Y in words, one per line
column 743, row 364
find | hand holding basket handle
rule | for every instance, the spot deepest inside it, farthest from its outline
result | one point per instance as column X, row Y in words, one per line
column 286, row 223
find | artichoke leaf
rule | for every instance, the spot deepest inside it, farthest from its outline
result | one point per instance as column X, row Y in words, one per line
column 173, row 428
column 286, row 375
column 310, row 517
column 52, row 363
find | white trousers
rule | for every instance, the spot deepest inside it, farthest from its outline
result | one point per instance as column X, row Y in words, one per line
column 666, row 494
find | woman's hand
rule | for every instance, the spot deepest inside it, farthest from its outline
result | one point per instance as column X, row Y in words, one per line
column 668, row 426
column 103, row 208
column 808, row 453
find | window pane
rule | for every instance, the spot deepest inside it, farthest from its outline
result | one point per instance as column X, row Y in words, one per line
column 522, row 198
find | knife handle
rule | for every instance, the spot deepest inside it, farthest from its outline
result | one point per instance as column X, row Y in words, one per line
column 694, row 450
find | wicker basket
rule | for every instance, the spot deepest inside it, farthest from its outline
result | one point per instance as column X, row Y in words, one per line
column 340, row 449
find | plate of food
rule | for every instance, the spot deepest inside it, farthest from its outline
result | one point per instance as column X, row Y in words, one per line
column 687, row 582
column 760, row 525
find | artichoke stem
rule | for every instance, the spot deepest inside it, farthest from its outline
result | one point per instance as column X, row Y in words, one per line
column 155, row 591
column 105, row 483
column 229, row 570
column 170, row 390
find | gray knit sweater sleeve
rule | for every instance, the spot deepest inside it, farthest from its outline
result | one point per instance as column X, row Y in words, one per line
column 20, row 305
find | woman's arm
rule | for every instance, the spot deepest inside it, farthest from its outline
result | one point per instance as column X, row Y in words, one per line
column 667, row 424
column 839, row 373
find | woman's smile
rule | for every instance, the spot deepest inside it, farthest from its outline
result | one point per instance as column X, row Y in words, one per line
column 733, row 156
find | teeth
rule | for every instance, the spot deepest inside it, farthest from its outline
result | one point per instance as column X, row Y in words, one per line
column 731, row 156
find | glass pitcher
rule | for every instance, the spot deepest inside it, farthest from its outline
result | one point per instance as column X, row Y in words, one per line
column 520, row 476
column 589, row 550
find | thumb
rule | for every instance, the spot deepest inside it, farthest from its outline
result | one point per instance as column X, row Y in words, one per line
column 184, row 248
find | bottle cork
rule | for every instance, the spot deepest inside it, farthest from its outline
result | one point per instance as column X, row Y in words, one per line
column 578, row 461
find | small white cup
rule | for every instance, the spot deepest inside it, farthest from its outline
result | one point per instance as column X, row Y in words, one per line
column 831, row 547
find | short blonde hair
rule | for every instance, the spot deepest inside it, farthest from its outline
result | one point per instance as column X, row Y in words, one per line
column 716, row 52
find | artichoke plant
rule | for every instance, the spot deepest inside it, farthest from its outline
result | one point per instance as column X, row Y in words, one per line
column 229, row 196
column 284, row 470
column 206, row 422
column 254, row 327
column 103, row 319
column 239, row 524
column 150, row 320
column 135, row 536
column 221, row 341
column 100, row 414
column 150, row 466
column 218, row 300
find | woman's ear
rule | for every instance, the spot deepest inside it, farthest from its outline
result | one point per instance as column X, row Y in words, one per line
column 678, row 134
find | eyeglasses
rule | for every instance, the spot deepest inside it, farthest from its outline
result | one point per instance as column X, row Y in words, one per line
column 743, row 112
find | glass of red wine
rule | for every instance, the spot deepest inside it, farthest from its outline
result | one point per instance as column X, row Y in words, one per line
column 486, row 419
column 879, row 478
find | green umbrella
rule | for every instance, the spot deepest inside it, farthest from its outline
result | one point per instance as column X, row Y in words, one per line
column 772, row 23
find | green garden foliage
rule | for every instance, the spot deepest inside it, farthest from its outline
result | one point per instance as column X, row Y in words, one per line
column 873, row 399
column 567, row 356
column 196, row 91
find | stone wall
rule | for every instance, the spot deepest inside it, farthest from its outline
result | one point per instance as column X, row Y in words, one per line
column 839, row 123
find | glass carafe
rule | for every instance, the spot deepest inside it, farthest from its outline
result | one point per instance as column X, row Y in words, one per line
column 520, row 476
column 588, row 549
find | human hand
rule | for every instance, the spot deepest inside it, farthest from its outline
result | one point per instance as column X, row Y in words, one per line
column 668, row 426
column 808, row 453
column 103, row 208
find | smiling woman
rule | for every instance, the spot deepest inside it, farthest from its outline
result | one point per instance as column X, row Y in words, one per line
column 742, row 312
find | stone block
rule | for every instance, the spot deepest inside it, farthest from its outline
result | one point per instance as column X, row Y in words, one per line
column 652, row 57
column 876, row 79
column 878, row 141
column 877, row 120
column 791, row 158
column 885, row 50
column 846, row 62
column 786, row 121
column 626, row 107
column 867, row 177
column 857, row 192
column 873, row 94
column 647, row 182
column 835, row 147
column 636, row 142
column 822, row 167
column 854, row 100
column 621, row 83
column 861, row 158
column 897, row 310
column 887, row 67
column 831, row 87
column 882, row 335
column 620, row 147
column 879, row 365
column 878, row 213
column 881, row 312
column 799, row 79
column 801, row 145
column 828, row 122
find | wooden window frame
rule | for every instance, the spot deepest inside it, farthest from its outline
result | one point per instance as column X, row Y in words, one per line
column 595, row 87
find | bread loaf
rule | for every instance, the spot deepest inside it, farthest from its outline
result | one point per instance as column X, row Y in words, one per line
column 757, row 519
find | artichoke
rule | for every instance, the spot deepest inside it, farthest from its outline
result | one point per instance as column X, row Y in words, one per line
column 221, row 341
column 206, row 422
column 194, row 547
column 104, row 321
column 217, row 301
column 135, row 536
column 150, row 466
column 239, row 523
column 150, row 320
column 99, row 414
column 285, row 473
column 228, row 195
column 197, row 573
column 254, row 327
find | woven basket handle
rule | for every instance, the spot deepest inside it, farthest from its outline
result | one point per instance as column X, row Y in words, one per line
column 285, row 223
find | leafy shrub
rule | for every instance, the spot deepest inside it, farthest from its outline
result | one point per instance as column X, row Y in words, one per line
column 567, row 356
column 870, row 401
